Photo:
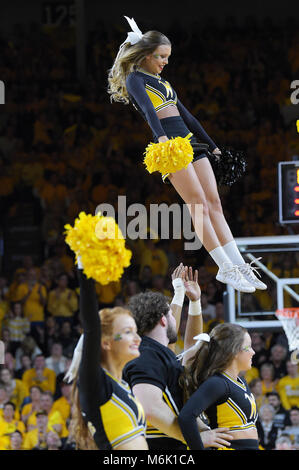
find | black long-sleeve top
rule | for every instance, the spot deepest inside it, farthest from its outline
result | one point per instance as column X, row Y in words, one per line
column 228, row 403
column 150, row 93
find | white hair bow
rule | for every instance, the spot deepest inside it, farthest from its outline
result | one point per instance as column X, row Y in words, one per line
column 73, row 369
column 199, row 338
column 135, row 35
column 202, row 337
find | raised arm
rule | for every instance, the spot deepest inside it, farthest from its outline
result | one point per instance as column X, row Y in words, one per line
column 194, row 125
column 194, row 325
column 135, row 88
column 91, row 353
column 179, row 293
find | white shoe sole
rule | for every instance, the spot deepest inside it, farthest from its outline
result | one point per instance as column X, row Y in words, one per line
column 260, row 286
column 254, row 282
column 246, row 288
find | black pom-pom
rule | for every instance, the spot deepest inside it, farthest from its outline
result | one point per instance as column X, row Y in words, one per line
column 229, row 167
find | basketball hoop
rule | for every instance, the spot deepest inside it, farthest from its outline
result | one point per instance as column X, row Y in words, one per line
column 289, row 318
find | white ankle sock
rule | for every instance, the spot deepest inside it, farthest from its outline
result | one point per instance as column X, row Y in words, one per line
column 219, row 256
column 232, row 251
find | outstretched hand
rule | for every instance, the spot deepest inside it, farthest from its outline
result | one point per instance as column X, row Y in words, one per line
column 179, row 272
column 193, row 290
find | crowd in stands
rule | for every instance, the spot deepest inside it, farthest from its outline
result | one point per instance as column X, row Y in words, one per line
column 67, row 149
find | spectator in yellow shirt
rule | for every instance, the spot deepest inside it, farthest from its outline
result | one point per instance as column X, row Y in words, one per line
column 36, row 438
column 64, row 403
column 55, row 420
column 108, row 293
column 53, row 191
column 62, row 301
column 256, row 388
column 27, row 264
column 288, row 387
column 35, row 404
column 42, row 129
column 19, row 278
column 154, row 257
column 18, row 326
column 33, row 296
column 267, row 378
column 15, row 388
column 60, row 261
column 4, row 308
column 4, row 398
column 8, row 425
column 40, row 375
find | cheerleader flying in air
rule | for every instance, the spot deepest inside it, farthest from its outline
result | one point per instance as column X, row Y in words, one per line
column 136, row 77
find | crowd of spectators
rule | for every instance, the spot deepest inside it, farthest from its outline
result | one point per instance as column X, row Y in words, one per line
column 66, row 149
column 40, row 326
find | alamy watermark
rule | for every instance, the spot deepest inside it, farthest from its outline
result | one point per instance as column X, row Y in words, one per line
column 166, row 222
column 295, row 95
column 2, row 92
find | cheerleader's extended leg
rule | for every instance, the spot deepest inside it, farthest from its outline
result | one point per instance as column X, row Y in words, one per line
column 188, row 186
column 206, row 177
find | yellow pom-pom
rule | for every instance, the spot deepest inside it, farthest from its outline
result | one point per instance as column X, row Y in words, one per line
column 170, row 156
column 101, row 246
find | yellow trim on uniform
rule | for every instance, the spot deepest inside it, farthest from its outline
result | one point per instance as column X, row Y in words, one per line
column 234, row 381
column 116, row 411
column 123, row 406
column 237, row 410
column 159, row 101
column 168, row 400
column 127, row 437
column 165, row 105
column 155, row 91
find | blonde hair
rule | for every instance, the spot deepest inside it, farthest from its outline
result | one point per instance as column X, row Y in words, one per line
column 128, row 59
column 108, row 315
column 81, row 432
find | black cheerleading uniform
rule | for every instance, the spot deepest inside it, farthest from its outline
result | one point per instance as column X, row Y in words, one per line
column 227, row 403
column 150, row 93
column 111, row 412
column 157, row 365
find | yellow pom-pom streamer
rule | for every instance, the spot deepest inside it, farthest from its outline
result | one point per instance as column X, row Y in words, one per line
column 101, row 246
column 170, row 156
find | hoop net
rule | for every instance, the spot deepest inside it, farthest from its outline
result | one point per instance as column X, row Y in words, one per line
column 289, row 318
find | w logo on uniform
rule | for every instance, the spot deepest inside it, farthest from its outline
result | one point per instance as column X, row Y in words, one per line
column 251, row 399
column 168, row 88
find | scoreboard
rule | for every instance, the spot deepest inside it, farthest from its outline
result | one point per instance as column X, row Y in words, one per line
column 288, row 192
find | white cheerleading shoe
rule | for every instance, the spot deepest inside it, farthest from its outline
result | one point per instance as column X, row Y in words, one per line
column 248, row 272
column 230, row 274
